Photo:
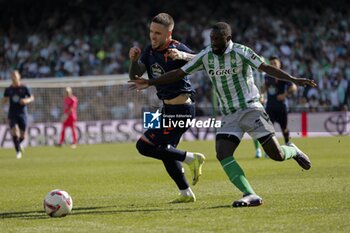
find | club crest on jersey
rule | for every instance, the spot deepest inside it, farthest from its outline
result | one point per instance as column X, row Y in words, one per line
column 211, row 61
column 272, row 90
column 156, row 70
column 15, row 99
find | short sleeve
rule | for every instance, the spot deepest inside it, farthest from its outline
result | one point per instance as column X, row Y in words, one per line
column 6, row 93
column 144, row 55
column 184, row 48
column 250, row 56
column 28, row 92
column 195, row 64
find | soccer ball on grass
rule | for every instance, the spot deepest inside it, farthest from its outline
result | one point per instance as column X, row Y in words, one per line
column 58, row 203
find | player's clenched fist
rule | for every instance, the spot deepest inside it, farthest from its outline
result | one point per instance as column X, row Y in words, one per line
column 134, row 53
column 175, row 54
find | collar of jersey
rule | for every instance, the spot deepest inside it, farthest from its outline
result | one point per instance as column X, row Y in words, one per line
column 165, row 46
column 16, row 86
column 229, row 47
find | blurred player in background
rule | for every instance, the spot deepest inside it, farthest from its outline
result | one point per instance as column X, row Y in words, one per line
column 229, row 66
column 162, row 55
column 277, row 92
column 18, row 95
column 69, row 117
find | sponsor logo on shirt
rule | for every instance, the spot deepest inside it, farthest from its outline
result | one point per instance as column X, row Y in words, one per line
column 221, row 72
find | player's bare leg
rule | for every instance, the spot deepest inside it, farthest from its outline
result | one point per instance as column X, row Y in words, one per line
column 280, row 153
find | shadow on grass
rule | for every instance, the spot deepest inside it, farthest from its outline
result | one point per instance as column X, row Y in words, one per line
column 40, row 214
column 98, row 210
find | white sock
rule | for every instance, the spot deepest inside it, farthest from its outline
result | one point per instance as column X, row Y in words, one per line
column 189, row 157
column 187, row 192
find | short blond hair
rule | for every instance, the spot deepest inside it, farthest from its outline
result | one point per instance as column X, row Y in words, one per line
column 16, row 73
column 69, row 90
column 165, row 20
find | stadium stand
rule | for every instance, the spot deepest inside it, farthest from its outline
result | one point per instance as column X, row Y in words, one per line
column 82, row 37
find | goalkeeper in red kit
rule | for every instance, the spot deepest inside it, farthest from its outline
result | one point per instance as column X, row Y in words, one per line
column 69, row 118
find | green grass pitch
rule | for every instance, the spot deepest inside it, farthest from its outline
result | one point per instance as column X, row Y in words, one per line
column 116, row 190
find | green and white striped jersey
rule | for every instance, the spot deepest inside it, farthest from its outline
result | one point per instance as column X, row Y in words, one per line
column 231, row 75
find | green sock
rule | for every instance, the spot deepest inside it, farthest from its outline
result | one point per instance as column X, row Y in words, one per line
column 256, row 144
column 289, row 152
column 236, row 175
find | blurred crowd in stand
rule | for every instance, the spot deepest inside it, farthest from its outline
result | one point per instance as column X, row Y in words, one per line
column 83, row 37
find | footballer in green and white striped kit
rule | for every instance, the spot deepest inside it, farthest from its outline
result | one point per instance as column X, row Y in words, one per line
column 229, row 66
column 231, row 75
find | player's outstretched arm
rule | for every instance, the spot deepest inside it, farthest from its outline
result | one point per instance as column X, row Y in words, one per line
column 176, row 54
column 27, row 100
column 169, row 77
column 172, row 76
column 282, row 75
